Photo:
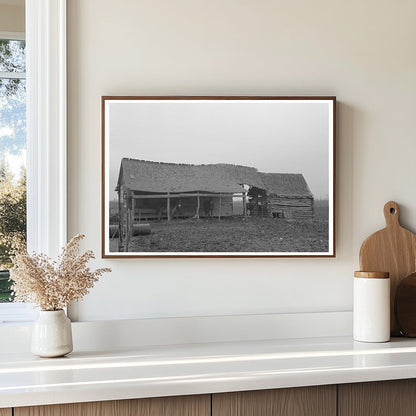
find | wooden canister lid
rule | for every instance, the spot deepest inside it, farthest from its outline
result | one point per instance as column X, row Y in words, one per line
column 372, row 275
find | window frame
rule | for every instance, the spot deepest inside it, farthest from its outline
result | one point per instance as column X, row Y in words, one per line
column 46, row 125
column 12, row 35
column 46, row 121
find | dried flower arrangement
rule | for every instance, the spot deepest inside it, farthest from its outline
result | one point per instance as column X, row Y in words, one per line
column 52, row 285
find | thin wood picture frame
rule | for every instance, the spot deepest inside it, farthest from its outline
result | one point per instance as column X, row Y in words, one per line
column 218, row 176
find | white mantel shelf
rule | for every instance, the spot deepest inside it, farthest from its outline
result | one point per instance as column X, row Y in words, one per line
column 148, row 371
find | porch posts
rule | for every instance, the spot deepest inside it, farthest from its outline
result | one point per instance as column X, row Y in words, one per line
column 198, row 205
column 168, row 206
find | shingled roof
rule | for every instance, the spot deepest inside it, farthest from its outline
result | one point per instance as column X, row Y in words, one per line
column 159, row 177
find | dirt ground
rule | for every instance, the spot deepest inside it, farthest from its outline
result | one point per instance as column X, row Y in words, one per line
column 234, row 234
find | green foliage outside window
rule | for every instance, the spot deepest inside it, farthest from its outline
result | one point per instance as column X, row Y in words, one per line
column 12, row 150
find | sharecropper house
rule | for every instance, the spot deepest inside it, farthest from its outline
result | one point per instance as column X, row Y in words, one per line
column 155, row 190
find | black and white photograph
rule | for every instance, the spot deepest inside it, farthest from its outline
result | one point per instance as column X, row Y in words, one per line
column 218, row 176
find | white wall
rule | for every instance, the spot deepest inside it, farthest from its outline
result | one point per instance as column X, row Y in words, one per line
column 361, row 51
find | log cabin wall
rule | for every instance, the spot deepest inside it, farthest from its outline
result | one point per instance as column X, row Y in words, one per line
column 290, row 208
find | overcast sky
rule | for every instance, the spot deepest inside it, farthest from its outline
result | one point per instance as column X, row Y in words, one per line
column 273, row 136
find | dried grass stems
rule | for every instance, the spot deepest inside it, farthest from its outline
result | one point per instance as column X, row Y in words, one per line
column 52, row 285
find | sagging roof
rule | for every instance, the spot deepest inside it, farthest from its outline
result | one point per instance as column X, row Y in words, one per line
column 286, row 184
column 160, row 177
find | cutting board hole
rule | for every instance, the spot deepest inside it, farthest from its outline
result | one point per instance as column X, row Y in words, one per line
column 392, row 211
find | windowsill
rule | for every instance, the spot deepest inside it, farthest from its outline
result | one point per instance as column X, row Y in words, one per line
column 151, row 371
column 16, row 313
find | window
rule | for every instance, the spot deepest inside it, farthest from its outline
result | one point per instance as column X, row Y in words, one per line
column 46, row 135
column 12, row 155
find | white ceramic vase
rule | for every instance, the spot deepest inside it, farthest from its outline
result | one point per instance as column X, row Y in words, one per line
column 52, row 334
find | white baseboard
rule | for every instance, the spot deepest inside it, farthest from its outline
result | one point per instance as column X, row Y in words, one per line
column 110, row 335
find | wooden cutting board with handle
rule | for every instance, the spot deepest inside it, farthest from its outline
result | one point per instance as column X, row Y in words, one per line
column 393, row 250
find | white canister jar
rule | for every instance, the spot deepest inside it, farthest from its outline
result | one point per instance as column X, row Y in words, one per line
column 371, row 308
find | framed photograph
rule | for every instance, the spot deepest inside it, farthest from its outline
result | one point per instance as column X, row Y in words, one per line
column 218, row 176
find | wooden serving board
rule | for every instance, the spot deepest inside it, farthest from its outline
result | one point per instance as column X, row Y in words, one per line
column 393, row 250
column 405, row 306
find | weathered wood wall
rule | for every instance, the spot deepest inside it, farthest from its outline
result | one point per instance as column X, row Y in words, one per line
column 296, row 208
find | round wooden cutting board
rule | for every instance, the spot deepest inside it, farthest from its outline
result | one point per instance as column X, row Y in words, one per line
column 405, row 306
column 393, row 250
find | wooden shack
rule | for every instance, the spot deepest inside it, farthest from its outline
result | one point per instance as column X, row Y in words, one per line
column 164, row 190
column 149, row 191
column 287, row 195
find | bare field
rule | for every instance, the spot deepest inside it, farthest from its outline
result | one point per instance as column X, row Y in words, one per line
column 234, row 234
